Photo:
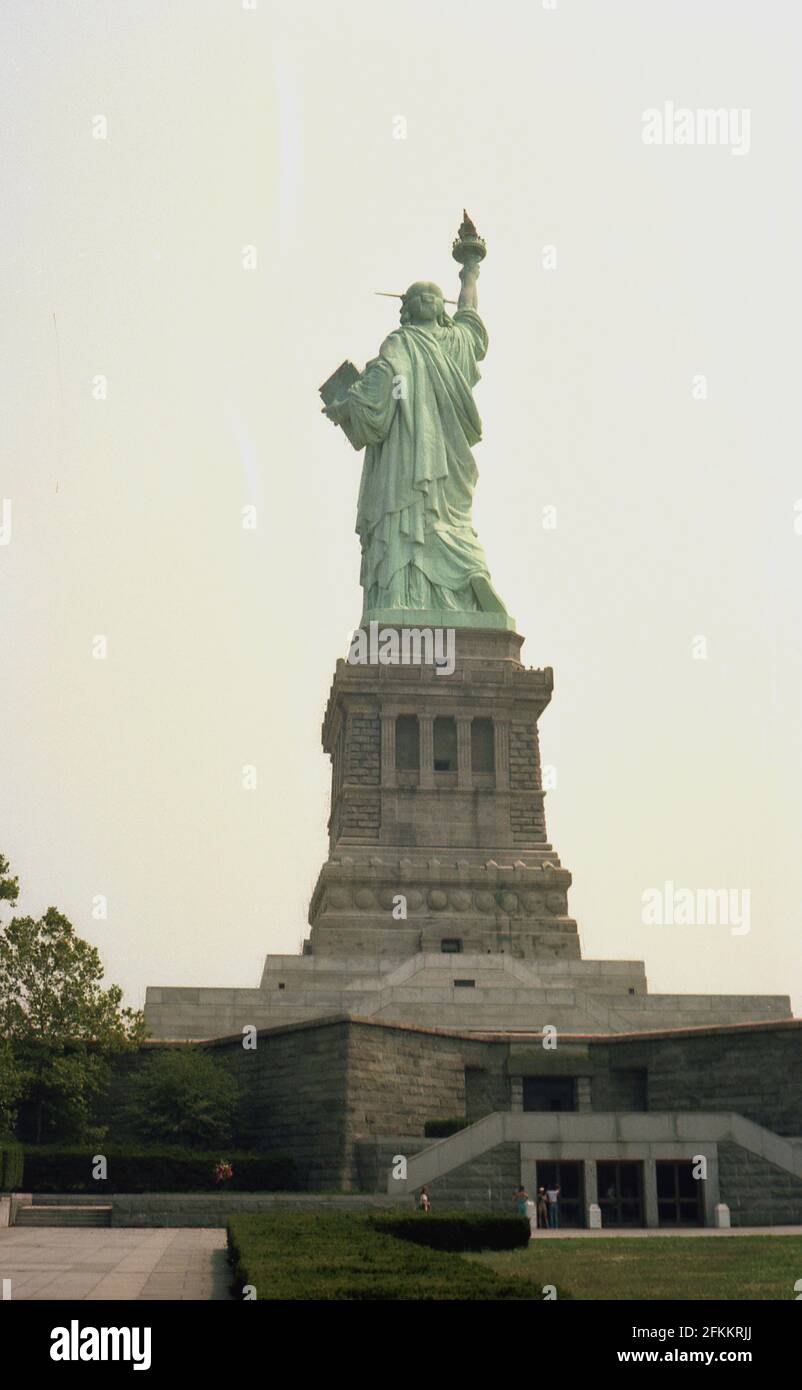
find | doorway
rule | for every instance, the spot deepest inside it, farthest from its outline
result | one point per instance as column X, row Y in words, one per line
column 620, row 1189
column 679, row 1194
column 570, row 1178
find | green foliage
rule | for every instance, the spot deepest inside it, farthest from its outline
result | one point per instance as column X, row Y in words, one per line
column 469, row 1231
column 12, row 1087
column 9, row 886
column 339, row 1255
column 182, row 1096
column 440, row 1129
column 63, row 1086
column 59, row 1021
column 12, row 1165
column 56, row 1169
column 50, row 987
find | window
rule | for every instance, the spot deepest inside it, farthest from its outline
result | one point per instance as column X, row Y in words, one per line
column 407, row 743
column 549, row 1093
column 450, row 946
column 483, row 755
column 281, row 984
column 465, row 984
column 445, row 745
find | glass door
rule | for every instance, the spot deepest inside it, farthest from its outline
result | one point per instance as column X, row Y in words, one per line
column 679, row 1194
column 620, row 1189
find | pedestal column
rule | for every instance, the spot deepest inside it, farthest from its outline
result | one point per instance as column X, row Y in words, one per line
column 464, row 778
column 388, row 777
column 426, row 731
column 502, row 753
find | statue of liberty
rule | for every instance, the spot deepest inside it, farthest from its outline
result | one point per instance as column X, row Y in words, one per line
column 412, row 411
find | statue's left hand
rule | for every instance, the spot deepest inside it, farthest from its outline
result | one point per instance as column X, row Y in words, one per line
column 337, row 411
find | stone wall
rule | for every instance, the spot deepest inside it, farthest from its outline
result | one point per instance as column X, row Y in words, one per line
column 398, row 1079
column 314, row 1090
column 360, row 815
column 320, row 1090
column 619, row 1088
column 363, row 756
column 527, row 820
column 524, row 757
column 293, row 1096
column 757, row 1193
column 527, row 816
column 486, row 1089
column 485, row 1184
column 752, row 1069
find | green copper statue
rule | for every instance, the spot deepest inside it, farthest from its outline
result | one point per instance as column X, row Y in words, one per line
column 413, row 412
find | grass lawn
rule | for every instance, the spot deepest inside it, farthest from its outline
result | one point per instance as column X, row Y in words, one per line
column 736, row 1267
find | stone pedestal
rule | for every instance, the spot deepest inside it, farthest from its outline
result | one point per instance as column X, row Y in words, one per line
column 442, row 903
column 437, row 830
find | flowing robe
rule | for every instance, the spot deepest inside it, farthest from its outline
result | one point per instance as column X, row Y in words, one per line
column 413, row 411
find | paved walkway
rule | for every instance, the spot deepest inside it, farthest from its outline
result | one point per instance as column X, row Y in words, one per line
column 569, row 1233
column 118, row 1263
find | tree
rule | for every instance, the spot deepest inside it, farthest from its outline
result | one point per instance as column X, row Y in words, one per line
column 9, row 887
column 183, row 1096
column 12, row 1083
column 60, row 1022
column 12, row 1087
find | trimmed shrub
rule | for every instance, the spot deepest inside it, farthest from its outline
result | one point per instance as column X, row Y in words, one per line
column 457, row 1233
column 440, row 1129
column 12, row 1165
column 338, row 1255
column 54, row 1169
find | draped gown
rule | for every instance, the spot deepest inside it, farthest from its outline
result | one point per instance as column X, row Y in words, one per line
column 412, row 409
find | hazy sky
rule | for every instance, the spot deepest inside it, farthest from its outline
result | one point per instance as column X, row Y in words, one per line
column 122, row 258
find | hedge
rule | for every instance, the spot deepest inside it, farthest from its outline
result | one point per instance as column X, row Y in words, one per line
column 440, row 1129
column 57, row 1169
column 449, row 1231
column 346, row 1256
column 12, row 1165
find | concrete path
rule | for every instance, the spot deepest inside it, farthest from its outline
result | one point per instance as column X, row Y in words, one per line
column 626, row 1232
column 112, row 1263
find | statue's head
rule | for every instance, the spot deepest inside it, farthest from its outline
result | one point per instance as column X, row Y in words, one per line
column 423, row 304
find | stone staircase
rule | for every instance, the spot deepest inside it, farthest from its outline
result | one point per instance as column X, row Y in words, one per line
column 185, row 1209
column 503, row 1130
column 484, row 1184
column 52, row 1214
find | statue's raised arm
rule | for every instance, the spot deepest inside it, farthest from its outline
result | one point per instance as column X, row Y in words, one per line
column 469, row 250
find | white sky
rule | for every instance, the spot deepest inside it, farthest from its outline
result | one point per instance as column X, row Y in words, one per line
column 274, row 128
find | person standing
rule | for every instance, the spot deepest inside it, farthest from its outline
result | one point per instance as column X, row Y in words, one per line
column 542, row 1208
column 424, row 1201
column 553, row 1199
